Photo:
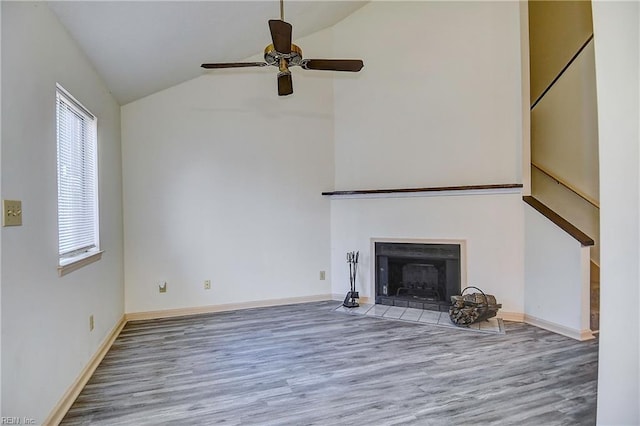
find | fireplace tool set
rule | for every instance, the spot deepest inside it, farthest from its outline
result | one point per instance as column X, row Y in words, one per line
column 351, row 300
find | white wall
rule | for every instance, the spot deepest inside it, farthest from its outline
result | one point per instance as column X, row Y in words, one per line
column 205, row 160
column 564, row 127
column 439, row 101
column 223, row 181
column 490, row 225
column 0, row 232
column 217, row 153
column 556, row 270
column 525, row 101
column 617, row 51
column 570, row 206
column 564, row 142
column 45, row 319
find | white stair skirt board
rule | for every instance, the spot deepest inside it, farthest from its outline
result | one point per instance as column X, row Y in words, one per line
column 421, row 316
column 581, row 335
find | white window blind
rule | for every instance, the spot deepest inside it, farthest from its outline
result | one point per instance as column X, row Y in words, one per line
column 77, row 178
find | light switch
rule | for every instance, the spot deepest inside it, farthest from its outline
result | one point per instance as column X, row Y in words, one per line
column 12, row 213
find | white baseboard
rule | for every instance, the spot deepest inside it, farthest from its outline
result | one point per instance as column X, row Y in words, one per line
column 364, row 299
column 511, row 316
column 559, row 329
column 547, row 325
column 61, row 408
column 180, row 312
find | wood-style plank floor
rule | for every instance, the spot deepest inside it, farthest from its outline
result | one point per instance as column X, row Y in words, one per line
column 307, row 365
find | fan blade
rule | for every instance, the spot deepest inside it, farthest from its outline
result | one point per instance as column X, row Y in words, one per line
column 285, row 84
column 281, row 35
column 351, row 65
column 234, row 65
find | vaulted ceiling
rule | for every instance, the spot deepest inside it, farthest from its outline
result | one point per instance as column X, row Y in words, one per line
column 141, row 47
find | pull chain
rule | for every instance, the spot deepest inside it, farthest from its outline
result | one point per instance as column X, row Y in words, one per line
column 282, row 10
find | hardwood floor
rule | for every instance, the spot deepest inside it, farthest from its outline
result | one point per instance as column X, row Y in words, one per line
column 307, row 365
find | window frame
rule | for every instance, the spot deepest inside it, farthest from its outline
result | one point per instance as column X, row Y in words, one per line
column 73, row 259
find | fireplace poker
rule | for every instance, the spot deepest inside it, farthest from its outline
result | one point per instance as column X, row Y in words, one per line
column 352, row 295
column 355, row 271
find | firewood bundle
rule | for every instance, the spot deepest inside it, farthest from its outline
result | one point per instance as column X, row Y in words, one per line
column 469, row 308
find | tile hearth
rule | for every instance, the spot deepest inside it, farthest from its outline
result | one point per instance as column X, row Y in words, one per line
column 421, row 316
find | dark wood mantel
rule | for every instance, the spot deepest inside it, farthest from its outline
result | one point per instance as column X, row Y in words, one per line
column 426, row 189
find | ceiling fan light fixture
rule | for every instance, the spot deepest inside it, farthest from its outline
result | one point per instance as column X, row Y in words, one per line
column 272, row 56
column 282, row 53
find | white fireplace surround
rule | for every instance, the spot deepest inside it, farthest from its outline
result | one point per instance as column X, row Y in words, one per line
column 489, row 228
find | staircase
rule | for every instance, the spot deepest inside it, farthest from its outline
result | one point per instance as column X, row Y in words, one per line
column 564, row 134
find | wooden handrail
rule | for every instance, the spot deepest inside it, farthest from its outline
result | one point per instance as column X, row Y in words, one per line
column 561, row 222
column 573, row 58
column 428, row 189
column 567, row 185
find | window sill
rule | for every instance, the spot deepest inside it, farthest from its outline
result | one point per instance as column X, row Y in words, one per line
column 69, row 265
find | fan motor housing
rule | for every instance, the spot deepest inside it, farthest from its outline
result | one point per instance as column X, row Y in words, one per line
column 272, row 56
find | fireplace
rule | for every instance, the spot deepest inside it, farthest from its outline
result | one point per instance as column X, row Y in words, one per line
column 422, row 276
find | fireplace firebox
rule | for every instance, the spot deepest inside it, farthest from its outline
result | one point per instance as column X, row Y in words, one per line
column 422, row 276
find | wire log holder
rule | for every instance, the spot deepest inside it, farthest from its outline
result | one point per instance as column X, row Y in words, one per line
column 471, row 308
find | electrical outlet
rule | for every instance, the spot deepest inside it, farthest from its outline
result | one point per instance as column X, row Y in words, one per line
column 322, row 275
column 91, row 323
column 12, row 215
column 162, row 287
column 207, row 285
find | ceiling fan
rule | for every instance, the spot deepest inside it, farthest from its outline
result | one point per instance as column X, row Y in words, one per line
column 284, row 54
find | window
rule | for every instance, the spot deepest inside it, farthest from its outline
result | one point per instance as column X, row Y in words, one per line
column 78, row 231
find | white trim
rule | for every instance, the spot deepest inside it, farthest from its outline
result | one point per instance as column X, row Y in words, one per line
column 511, row 316
column 78, row 262
column 67, row 400
column 581, row 335
column 364, row 299
column 168, row 313
column 74, row 101
column 430, row 193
